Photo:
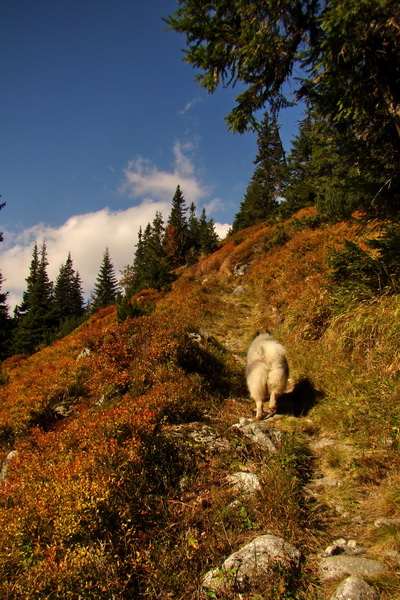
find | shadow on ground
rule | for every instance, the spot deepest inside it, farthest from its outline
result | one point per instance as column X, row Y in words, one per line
column 300, row 400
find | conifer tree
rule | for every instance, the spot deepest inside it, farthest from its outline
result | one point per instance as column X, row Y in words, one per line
column 261, row 198
column 208, row 237
column 159, row 263
column 5, row 320
column 68, row 296
column 31, row 280
column 136, row 273
column 270, row 159
column 160, row 250
column 176, row 234
column 321, row 172
column 301, row 190
column 151, row 266
column 141, row 261
column 251, row 210
column 350, row 55
column 35, row 316
column 193, row 237
column 106, row 287
column 6, row 323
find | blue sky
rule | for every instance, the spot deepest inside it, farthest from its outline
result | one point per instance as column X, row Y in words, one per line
column 100, row 120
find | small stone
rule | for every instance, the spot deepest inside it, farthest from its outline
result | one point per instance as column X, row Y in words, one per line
column 333, row 550
column 334, row 566
column 323, row 443
column 261, row 433
column 386, row 522
column 354, row 588
column 358, row 520
column 394, row 555
column 245, row 482
column 326, row 482
column 354, row 548
column 4, row 469
column 85, row 353
column 341, row 542
column 239, row 290
column 240, row 269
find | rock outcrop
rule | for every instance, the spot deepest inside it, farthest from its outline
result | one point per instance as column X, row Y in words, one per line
column 257, row 558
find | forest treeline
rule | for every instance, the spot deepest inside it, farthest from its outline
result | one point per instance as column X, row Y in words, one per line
column 345, row 159
column 50, row 310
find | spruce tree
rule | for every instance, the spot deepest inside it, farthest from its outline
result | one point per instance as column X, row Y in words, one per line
column 350, row 58
column 35, row 320
column 151, row 266
column 106, row 287
column 68, row 296
column 270, row 159
column 251, row 210
column 176, row 234
column 301, row 189
column 208, row 238
column 158, row 261
column 261, row 198
column 141, row 261
column 6, row 322
column 193, row 227
column 31, row 280
column 193, row 237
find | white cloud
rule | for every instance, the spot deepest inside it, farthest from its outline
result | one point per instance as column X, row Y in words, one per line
column 189, row 105
column 143, row 178
column 213, row 205
column 87, row 235
column 222, row 229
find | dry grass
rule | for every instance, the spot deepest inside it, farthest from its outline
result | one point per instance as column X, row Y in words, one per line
column 146, row 515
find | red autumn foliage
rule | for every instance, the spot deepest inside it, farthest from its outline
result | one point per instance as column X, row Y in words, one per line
column 82, row 495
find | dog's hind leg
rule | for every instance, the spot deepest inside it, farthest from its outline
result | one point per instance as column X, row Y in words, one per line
column 272, row 405
column 259, row 409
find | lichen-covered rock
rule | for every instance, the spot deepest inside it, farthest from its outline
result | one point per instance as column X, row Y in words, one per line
column 261, row 433
column 4, row 469
column 256, row 559
column 247, row 483
column 201, row 437
column 334, row 566
column 354, row 588
column 240, row 269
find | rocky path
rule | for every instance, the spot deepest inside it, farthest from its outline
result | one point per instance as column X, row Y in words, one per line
column 345, row 566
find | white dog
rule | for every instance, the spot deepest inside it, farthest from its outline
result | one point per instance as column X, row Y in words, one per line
column 267, row 372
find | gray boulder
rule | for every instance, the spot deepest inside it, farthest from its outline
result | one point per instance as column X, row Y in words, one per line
column 85, row 353
column 260, row 433
column 335, row 566
column 4, row 469
column 244, row 567
column 201, row 437
column 354, row 588
column 247, row 483
column 240, row 269
column 386, row 522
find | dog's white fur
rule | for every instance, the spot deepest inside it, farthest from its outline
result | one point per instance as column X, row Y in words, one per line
column 267, row 372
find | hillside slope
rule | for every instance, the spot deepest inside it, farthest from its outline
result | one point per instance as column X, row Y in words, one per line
column 118, row 483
